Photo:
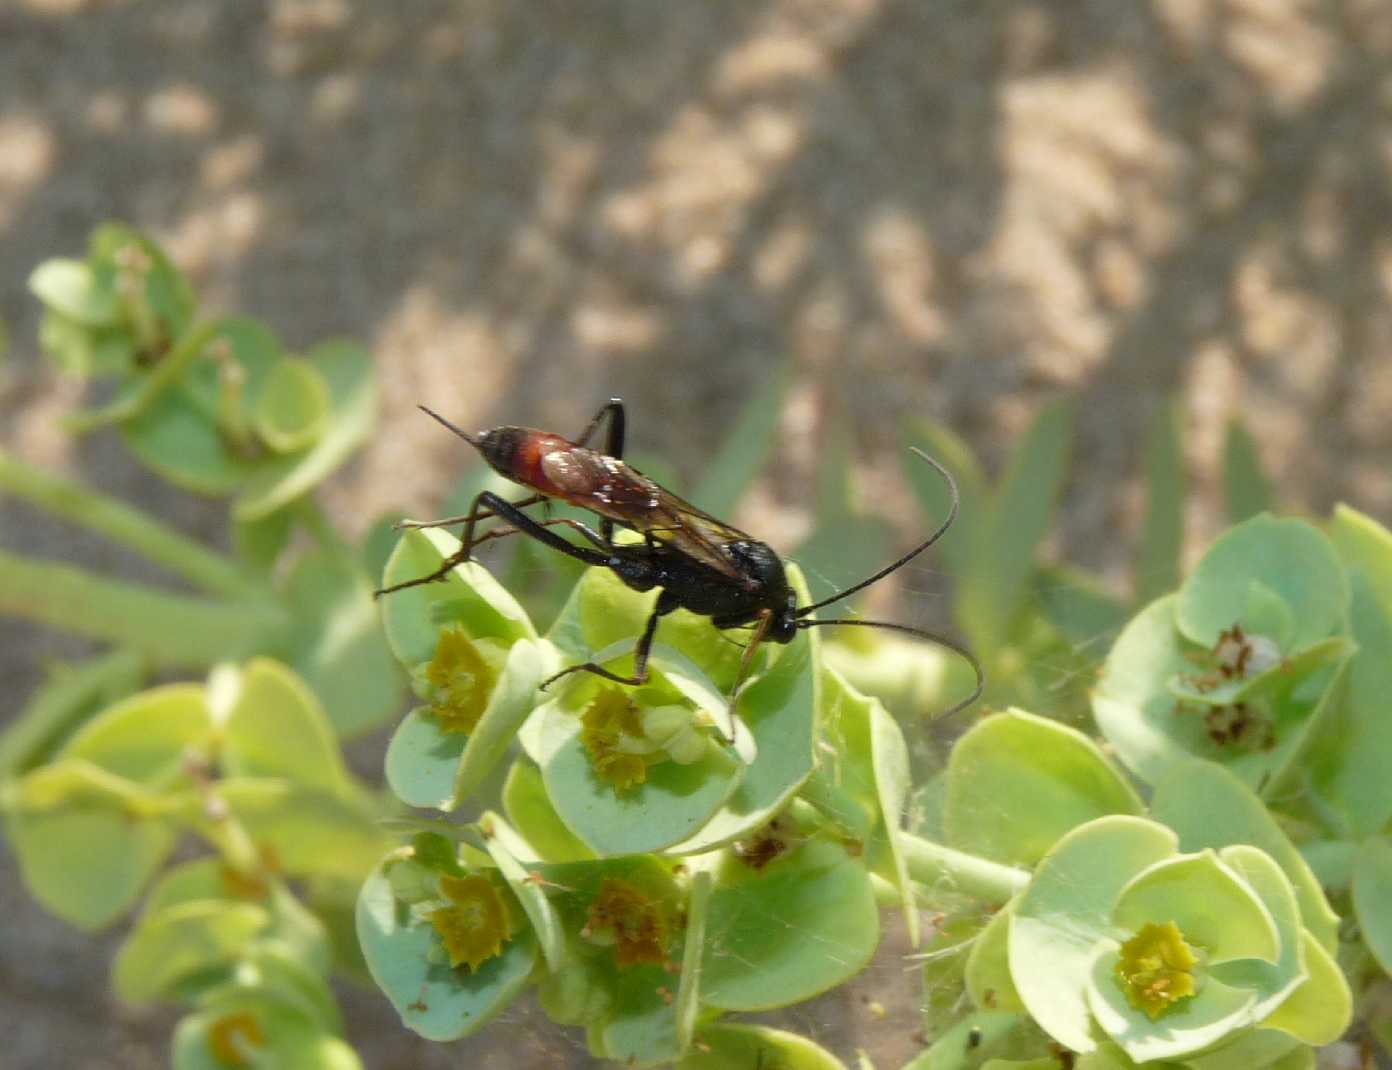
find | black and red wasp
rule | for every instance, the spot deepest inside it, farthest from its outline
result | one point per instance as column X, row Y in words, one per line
column 699, row 563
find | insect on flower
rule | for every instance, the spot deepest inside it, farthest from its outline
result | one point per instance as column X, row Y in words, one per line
column 698, row 563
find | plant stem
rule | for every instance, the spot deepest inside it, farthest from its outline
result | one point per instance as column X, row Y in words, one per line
column 122, row 524
column 171, row 629
column 311, row 514
column 164, row 373
column 933, row 864
column 61, row 703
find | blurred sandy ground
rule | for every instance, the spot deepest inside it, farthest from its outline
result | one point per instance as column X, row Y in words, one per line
column 945, row 209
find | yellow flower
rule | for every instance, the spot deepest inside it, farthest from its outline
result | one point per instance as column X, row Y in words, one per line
column 1156, row 968
column 460, row 681
column 611, row 728
column 633, row 922
column 476, row 924
column 232, row 1038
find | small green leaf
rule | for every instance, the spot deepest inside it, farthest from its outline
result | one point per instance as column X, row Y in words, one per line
column 1016, row 783
column 1152, row 705
column 1291, row 558
column 166, row 291
column 753, row 964
column 337, row 644
column 181, row 942
column 530, row 810
column 688, row 1000
column 1364, row 545
column 292, row 408
column 988, row 966
column 280, row 968
column 513, row 699
column 146, row 738
column 468, row 595
column 725, row 1046
column 1055, row 931
column 347, row 371
column 1245, row 486
column 993, row 1040
column 177, row 440
column 1372, row 898
column 310, row 832
column 1320, row 1010
column 287, row 1038
column 422, row 760
column 83, row 848
column 545, row 923
column 890, row 761
column 1208, row 806
column 259, row 543
column 1162, row 537
column 1352, row 752
column 71, row 288
column 276, row 728
column 640, row 1029
column 434, row 1000
column 1207, row 901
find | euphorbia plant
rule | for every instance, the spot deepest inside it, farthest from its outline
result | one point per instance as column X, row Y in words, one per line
column 247, row 764
column 651, row 861
column 651, row 833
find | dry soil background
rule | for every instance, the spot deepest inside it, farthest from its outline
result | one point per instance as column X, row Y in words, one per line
column 929, row 207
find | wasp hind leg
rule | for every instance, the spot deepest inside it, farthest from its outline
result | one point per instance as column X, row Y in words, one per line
column 665, row 605
column 489, row 504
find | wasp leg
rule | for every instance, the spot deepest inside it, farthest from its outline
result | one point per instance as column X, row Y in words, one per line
column 614, row 438
column 496, row 506
column 665, row 605
column 450, row 521
column 588, row 532
column 760, row 630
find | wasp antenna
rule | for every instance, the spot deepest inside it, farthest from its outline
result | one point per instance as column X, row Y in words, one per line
column 803, row 611
column 918, row 633
column 470, row 439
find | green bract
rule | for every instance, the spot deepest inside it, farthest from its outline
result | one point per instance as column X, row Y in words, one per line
column 655, row 829
column 216, row 407
column 1241, row 666
column 1247, row 961
column 250, row 764
column 653, row 858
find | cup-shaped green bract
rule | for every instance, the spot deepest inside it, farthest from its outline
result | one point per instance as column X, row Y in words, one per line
column 475, row 661
column 666, row 766
column 1241, row 665
column 1350, row 760
column 759, row 753
column 1016, row 782
column 1122, row 939
column 450, row 951
column 261, row 1019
